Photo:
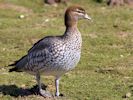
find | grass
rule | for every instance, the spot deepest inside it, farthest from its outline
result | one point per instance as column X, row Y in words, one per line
column 105, row 70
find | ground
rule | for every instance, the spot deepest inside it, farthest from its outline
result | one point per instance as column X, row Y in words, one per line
column 105, row 71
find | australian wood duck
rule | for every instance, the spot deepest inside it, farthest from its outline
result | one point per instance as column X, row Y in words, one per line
column 55, row 55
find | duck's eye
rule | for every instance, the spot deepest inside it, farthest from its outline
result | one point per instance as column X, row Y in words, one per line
column 80, row 11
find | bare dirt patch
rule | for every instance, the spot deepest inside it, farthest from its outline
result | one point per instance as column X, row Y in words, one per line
column 15, row 7
column 123, row 34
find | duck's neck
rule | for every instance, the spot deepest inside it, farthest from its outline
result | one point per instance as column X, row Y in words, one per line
column 72, row 33
column 70, row 21
column 71, row 28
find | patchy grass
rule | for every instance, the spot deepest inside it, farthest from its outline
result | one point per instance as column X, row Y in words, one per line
column 105, row 70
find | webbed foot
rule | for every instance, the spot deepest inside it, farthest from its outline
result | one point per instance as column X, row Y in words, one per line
column 45, row 94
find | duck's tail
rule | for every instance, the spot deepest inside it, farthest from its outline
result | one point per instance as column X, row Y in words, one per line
column 18, row 64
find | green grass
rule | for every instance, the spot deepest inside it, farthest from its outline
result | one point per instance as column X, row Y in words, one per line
column 105, row 70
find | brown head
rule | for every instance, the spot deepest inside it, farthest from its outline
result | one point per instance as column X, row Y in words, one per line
column 73, row 14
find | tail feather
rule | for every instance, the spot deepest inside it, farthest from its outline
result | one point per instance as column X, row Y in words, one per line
column 14, row 69
column 18, row 64
column 13, row 64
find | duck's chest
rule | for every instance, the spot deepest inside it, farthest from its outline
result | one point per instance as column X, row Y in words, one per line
column 71, row 57
column 69, row 54
column 73, row 48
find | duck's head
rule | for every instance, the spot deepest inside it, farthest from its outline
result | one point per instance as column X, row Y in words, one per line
column 73, row 14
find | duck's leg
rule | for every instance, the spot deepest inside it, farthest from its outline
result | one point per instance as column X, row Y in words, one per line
column 41, row 91
column 57, row 87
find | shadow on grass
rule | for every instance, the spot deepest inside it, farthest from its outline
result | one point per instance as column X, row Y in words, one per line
column 15, row 91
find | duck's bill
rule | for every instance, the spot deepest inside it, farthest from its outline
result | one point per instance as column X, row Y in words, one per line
column 87, row 17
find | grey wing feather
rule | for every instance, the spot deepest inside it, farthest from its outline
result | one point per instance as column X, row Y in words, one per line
column 19, row 64
column 44, row 43
column 38, row 54
column 40, row 45
column 32, row 55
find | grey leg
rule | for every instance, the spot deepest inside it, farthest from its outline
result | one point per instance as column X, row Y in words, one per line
column 41, row 91
column 57, row 86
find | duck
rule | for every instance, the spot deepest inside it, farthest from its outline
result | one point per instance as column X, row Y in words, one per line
column 54, row 55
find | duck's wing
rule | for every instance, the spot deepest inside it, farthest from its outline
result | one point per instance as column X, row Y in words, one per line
column 40, row 45
column 33, row 54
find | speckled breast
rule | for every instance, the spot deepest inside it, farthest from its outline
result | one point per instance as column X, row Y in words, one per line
column 67, row 58
column 62, row 60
